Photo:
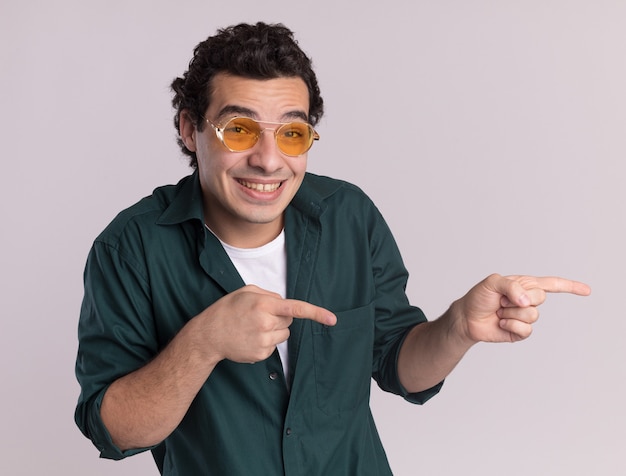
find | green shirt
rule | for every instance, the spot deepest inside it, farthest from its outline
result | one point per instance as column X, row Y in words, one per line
column 156, row 266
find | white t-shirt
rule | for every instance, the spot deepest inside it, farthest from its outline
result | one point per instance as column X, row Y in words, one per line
column 265, row 267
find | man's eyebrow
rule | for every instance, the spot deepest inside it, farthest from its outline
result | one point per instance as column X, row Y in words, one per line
column 291, row 115
column 235, row 110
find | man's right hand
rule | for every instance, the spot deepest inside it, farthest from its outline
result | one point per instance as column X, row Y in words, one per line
column 246, row 325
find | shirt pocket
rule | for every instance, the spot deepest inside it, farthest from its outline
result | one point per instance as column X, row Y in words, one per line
column 342, row 356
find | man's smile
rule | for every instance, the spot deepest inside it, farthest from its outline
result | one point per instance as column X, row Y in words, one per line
column 260, row 187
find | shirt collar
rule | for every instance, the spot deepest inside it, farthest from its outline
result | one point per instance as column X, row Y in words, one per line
column 186, row 203
column 311, row 197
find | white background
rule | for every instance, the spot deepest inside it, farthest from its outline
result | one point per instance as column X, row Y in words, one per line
column 491, row 134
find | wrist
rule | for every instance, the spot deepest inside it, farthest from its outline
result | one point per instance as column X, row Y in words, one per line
column 458, row 325
column 198, row 338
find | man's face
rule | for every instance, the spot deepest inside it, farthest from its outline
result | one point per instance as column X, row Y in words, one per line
column 245, row 193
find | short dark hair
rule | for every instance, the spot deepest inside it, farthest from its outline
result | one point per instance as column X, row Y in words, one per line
column 259, row 51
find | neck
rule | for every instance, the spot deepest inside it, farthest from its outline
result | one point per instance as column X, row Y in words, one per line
column 248, row 235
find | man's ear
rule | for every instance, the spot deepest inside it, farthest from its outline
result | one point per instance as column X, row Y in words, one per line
column 187, row 130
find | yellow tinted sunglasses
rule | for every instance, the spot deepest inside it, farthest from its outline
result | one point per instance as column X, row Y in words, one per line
column 242, row 133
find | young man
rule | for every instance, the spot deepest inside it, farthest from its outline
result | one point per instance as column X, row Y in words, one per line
column 232, row 323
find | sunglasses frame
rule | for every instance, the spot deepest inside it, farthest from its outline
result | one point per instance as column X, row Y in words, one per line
column 219, row 132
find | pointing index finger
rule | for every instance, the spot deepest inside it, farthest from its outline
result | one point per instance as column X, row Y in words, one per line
column 304, row 310
column 555, row 284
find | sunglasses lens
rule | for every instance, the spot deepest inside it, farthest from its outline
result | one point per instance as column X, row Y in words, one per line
column 294, row 138
column 241, row 133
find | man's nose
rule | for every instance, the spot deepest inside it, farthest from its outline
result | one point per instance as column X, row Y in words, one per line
column 265, row 153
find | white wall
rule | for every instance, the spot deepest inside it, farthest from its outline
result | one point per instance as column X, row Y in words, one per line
column 492, row 135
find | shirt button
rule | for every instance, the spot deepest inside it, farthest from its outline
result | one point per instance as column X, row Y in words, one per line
column 273, row 375
column 288, row 431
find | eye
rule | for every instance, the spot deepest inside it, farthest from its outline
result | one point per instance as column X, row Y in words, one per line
column 238, row 129
column 292, row 134
column 295, row 131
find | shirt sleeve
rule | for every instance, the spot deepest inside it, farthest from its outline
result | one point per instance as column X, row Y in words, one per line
column 116, row 336
column 395, row 316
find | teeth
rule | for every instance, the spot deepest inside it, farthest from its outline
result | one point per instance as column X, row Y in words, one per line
column 260, row 187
